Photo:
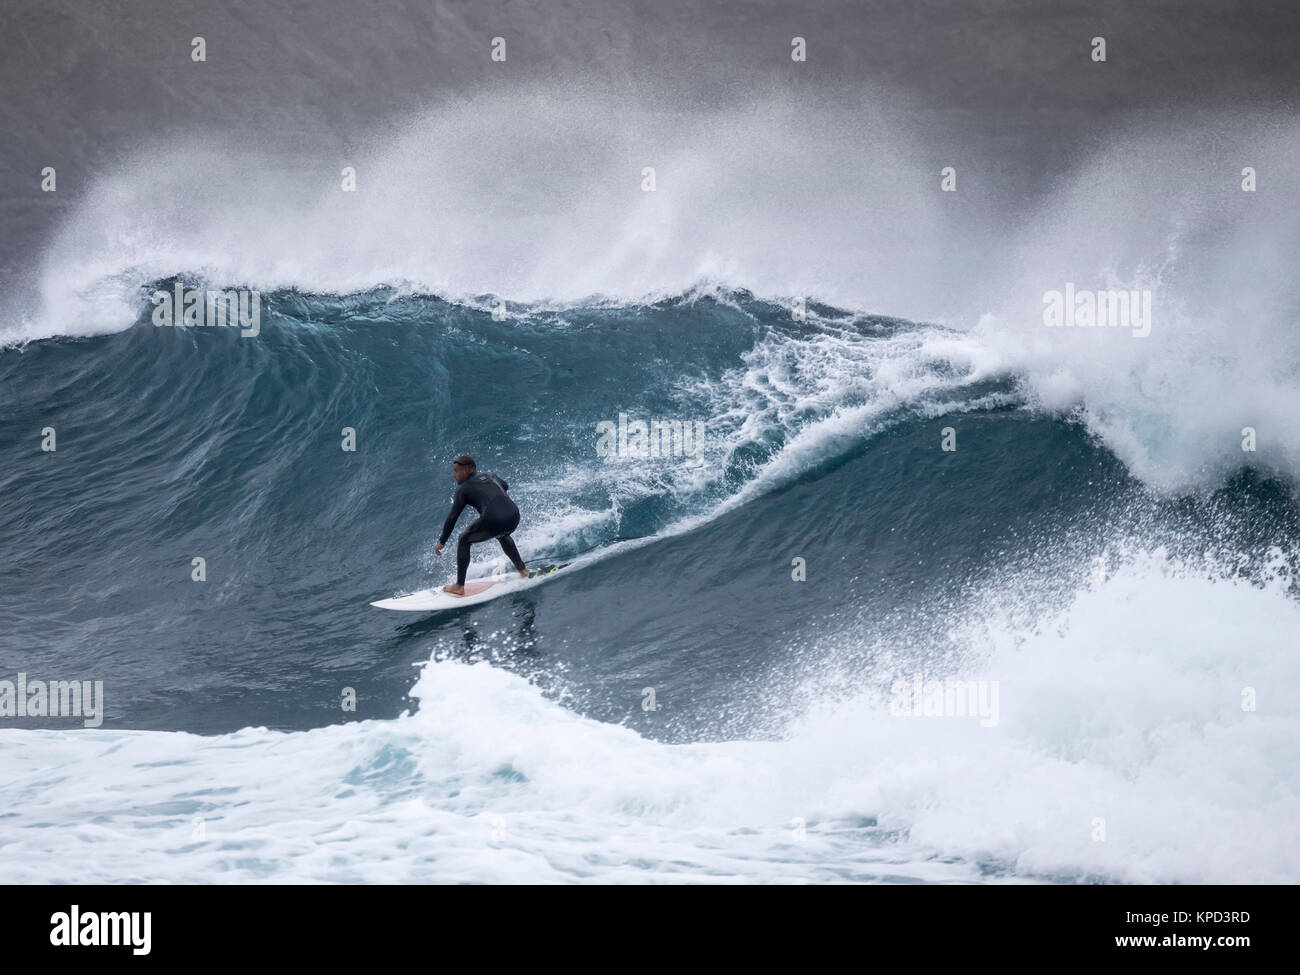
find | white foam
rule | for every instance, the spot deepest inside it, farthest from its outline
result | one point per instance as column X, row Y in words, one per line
column 1165, row 212
column 1127, row 707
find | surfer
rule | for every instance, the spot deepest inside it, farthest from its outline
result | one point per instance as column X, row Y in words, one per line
column 497, row 518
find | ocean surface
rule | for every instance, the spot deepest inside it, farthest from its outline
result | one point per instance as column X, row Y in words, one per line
column 511, row 741
column 712, row 693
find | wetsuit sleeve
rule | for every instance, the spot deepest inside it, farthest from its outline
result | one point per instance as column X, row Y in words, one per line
column 457, row 506
column 505, row 486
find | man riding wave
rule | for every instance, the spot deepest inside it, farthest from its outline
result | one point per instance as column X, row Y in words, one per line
column 498, row 517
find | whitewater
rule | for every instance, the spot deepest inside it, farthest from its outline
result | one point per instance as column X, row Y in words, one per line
column 487, row 781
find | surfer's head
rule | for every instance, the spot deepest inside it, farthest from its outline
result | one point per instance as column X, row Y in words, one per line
column 462, row 467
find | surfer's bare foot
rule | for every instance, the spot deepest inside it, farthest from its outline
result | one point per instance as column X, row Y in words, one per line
column 455, row 589
column 525, row 573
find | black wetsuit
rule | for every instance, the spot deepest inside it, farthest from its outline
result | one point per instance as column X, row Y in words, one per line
column 498, row 517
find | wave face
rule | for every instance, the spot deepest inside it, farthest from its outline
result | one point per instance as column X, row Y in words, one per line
column 1122, row 622
column 541, row 199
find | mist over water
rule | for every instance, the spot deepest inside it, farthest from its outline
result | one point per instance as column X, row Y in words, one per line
column 538, row 199
column 1164, row 210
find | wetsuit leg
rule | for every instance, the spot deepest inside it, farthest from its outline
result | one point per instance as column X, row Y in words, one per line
column 512, row 553
column 508, row 543
column 498, row 521
column 474, row 533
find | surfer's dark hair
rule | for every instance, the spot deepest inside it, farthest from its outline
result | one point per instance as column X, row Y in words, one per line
column 465, row 460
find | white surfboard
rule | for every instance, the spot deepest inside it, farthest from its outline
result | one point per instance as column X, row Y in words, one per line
column 476, row 591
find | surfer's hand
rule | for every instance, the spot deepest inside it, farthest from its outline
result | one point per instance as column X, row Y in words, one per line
column 438, row 550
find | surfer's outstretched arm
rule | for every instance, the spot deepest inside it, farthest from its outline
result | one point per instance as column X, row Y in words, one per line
column 457, row 506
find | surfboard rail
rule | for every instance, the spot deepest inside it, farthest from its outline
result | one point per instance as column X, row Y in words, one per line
column 477, row 591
